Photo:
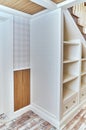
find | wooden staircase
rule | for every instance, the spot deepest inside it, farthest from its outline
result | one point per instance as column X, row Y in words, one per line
column 77, row 18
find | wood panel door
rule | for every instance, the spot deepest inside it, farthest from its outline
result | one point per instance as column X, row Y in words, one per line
column 26, row 87
column 17, row 90
column 21, row 89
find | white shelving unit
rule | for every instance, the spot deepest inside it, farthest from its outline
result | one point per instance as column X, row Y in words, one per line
column 71, row 72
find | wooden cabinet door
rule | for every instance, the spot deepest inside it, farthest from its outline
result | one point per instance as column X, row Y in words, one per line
column 17, row 90
column 21, row 89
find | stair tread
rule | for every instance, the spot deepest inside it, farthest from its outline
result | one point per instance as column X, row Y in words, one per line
column 80, row 25
column 70, row 10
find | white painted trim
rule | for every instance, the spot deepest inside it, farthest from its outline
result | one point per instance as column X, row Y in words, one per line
column 46, row 3
column 64, row 5
column 23, row 68
column 69, row 3
column 52, row 6
column 45, row 115
column 43, row 13
column 14, row 12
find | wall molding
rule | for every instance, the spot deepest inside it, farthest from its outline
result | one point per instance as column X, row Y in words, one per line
column 45, row 114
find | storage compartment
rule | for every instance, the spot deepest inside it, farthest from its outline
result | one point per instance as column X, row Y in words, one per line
column 83, row 67
column 70, row 95
column 71, row 52
column 70, row 71
column 83, row 81
column 70, row 104
column 70, row 89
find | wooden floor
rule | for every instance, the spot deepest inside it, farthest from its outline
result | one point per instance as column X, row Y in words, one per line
column 31, row 121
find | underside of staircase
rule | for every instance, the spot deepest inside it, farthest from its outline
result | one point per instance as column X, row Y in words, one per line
column 76, row 18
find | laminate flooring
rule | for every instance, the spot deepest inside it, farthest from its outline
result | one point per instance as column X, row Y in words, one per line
column 31, row 121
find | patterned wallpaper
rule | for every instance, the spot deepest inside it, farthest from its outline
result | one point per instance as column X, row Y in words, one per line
column 21, row 45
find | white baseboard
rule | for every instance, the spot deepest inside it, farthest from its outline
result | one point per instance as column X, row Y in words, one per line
column 52, row 119
column 45, row 115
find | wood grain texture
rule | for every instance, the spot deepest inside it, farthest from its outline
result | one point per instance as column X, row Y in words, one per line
column 58, row 1
column 21, row 89
column 24, row 5
column 17, row 90
column 26, row 87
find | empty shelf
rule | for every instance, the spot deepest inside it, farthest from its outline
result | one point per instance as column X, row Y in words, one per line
column 67, row 93
column 83, row 85
column 68, row 77
column 70, row 60
column 71, row 43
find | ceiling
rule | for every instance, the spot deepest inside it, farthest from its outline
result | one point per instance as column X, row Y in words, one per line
column 25, row 5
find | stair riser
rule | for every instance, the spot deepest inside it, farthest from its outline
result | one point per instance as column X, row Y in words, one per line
column 84, row 30
column 78, row 22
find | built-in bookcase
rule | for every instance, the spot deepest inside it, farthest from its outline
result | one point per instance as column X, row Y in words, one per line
column 74, row 74
column 71, row 73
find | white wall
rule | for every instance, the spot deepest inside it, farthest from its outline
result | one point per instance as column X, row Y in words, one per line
column 6, row 63
column 45, row 39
